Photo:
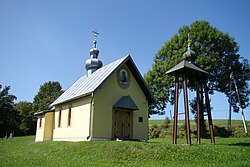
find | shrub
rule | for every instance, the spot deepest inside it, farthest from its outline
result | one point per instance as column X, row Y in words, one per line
column 181, row 130
column 166, row 122
column 238, row 132
column 221, row 131
column 154, row 131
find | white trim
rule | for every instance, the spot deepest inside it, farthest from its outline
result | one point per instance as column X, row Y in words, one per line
column 71, row 139
column 38, row 139
column 91, row 115
column 43, row 139
column 80, row 139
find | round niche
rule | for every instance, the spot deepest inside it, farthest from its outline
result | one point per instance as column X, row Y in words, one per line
column 123, row 78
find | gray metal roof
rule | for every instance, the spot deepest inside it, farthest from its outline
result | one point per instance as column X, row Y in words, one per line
column 43, row 112
column 126, row 102
column 88, row 84
column 185, row 65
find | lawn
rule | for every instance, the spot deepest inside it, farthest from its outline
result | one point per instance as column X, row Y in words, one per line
column 23, row 151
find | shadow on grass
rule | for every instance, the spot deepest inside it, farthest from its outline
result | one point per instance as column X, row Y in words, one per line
column 240, row 144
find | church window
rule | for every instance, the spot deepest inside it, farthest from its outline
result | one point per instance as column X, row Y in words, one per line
column 59, row 119
column 69, row 117
column 40, row 122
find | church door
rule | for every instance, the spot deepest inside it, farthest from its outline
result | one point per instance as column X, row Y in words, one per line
column 122, row 124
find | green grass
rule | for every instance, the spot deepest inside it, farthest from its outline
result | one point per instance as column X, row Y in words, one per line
column 23, row 151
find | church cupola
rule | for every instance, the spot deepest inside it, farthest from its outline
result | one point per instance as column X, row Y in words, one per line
column 93, row 63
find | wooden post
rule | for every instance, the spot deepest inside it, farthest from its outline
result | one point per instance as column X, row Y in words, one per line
column 198, row 114
column 210, row 123
column 176, row 108
column 186, row 110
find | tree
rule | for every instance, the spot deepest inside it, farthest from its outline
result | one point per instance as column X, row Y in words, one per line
column 8, row 116
column 27, row 125
column 216, row 52
column 47, row 93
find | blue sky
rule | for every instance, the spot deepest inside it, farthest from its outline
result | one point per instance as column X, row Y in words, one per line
column 49, row 40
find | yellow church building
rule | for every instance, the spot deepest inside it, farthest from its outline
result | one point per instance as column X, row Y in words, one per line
column 109, row 103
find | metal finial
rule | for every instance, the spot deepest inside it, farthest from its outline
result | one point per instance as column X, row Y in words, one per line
column 95, row 36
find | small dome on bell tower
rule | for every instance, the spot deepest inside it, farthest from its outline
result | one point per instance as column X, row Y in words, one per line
column 189, row 53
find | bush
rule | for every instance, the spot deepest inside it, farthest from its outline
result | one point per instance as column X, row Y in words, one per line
column 221, row 132
column 238, row 132
column 166, row 122
column 181, row 130
column 154, row 131
column 165, row 130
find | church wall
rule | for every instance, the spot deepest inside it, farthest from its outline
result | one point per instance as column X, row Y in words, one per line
column 78, row 130
column 104, row 98
column 40, row 130
column 49, row 125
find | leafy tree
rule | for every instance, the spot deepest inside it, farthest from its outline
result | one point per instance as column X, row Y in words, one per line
column 47, row 93
column 27, row 124
column 8, row 116
column 216, row 52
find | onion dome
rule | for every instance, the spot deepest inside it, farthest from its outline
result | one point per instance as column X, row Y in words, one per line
column 93, row 63
column 189, row 53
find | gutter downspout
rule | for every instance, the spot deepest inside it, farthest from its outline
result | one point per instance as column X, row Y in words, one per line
column 90, row 116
